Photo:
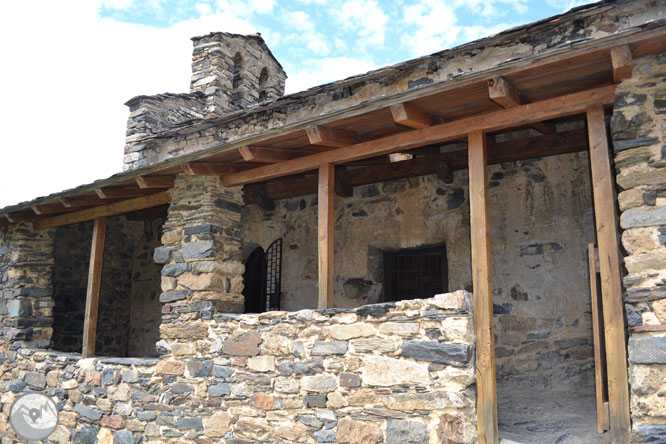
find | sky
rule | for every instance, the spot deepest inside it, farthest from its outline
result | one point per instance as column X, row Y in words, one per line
column 68, row 66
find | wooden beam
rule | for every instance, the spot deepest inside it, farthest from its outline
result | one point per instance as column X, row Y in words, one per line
column 603, row 189
column 120, row 193
column 538, row 146
column 517, row 116
column 49, row 208
column 325, row 217
column 622, row 62
column 342, row 186
column 94, row 284
column 266, row 155
column 113, row 209
column 486, row 405
column 212, row 169
column 82, row 201
column 150, row 182
column 259, row 196
column 444, row 172
column 408, row 115
column 600, row 378
column 502, row 92
column 322, row 136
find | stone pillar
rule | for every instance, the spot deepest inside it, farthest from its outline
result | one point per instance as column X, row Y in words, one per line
column 638, row 129
column 203, row 270
column 26, row 306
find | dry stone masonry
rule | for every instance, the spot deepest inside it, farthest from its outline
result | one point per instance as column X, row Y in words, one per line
column 390, row 373
column 638, row 128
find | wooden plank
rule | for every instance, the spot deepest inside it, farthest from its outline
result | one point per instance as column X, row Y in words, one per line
column 411, row 116
column 322, row 136
column 325, row 217
column 486, row 406
column 520, row 115
column 266, row 155
column 600, row 378
column 82, row 201
column 120, row 193
column 155, row 181
column 502, row 92
column 611, row 282
column 94, row 285
column 621, row 62
column 644, row 328
column 113, row 209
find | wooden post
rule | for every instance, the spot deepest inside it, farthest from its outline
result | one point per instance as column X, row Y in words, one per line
column 94, row 283
column 326, row 225
column 486, row 404
column 609, row 267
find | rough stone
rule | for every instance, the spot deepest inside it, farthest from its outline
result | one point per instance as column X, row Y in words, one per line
column 351, row 431
column 453, row 354
column 406, row 432
column 220, row 389
column 88, row 412
column 216, row 425
column 319, row 383
column 326, row 348
column 383, row 371
column 649, row 350
column 344, row 332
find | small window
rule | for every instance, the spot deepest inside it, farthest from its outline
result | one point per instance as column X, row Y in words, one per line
column 263, row 84
column 415, row 273
column 238, row 66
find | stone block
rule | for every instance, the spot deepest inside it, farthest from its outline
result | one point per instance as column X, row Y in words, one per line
column 344, row 332
column 451, row 354
column 319, row 383
column 170, row 368
column 198, row 250
column 217, row 425
column 399, row 328
column 327, row 348
column 88, row 412
column 369, row 345
column 113, row 422
column 184, row 330
column 173, row 295
column 19, row 308
column 35, row 380
column 643, row 216
column 649, row 434
column 189, row 423
column 217, row 390
column 649, row 350
column 246, row 344
column 174, row 270
column 199, row 368
column 220, row 371
column 350, row 380
column 123, row 437
column 261, row 363
column 359, row 432
column 406, row 432
column 162, row 255
column 315, row 401
column 382, row 371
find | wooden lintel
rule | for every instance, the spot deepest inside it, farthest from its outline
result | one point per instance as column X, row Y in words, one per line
column 408, row 115
column 325, row 218
column 94, row 284
column 517, row 116
column 112, row 209
column 120, row 193
column 502, row 92
column 621, row 62
column 486, row 404
column 322, row 136
column 603, row 190
column 211, row 169
column 151, row 182
column 266, row 155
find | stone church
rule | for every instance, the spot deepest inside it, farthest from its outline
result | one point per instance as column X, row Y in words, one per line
column 467, row 247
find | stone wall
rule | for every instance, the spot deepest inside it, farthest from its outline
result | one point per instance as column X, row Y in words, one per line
column 541, row 222
column 26, row 259
column 638, row 128
column 391, row 373
column 440, row 67
column 129, row 305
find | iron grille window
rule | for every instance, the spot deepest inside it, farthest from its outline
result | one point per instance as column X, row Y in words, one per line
column 415, row 273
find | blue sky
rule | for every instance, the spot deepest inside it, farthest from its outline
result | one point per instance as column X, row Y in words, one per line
column 72, row 64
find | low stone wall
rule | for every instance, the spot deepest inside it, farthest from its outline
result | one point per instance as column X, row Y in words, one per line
column 390, row 373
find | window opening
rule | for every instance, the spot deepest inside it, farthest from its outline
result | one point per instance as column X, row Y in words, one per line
column 263, row 279
column 415, row 273
column 263, row 84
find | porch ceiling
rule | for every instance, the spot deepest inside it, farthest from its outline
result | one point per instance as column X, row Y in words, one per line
column 282, row 162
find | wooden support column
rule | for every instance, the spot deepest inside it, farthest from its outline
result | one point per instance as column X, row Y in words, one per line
column 611, row 283
column 326, row 222
column 94, row 283
column 486, row 403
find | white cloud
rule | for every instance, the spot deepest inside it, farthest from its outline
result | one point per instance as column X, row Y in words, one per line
column 565, row 5
column 71, row 72
column 302, row 22
column 434, row 25
column 117, row 4
column 366, row 16
column 262, row 6
column 318, row 71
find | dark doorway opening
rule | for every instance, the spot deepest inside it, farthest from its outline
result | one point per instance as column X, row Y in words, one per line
column 263, row 279
column 415, row 273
